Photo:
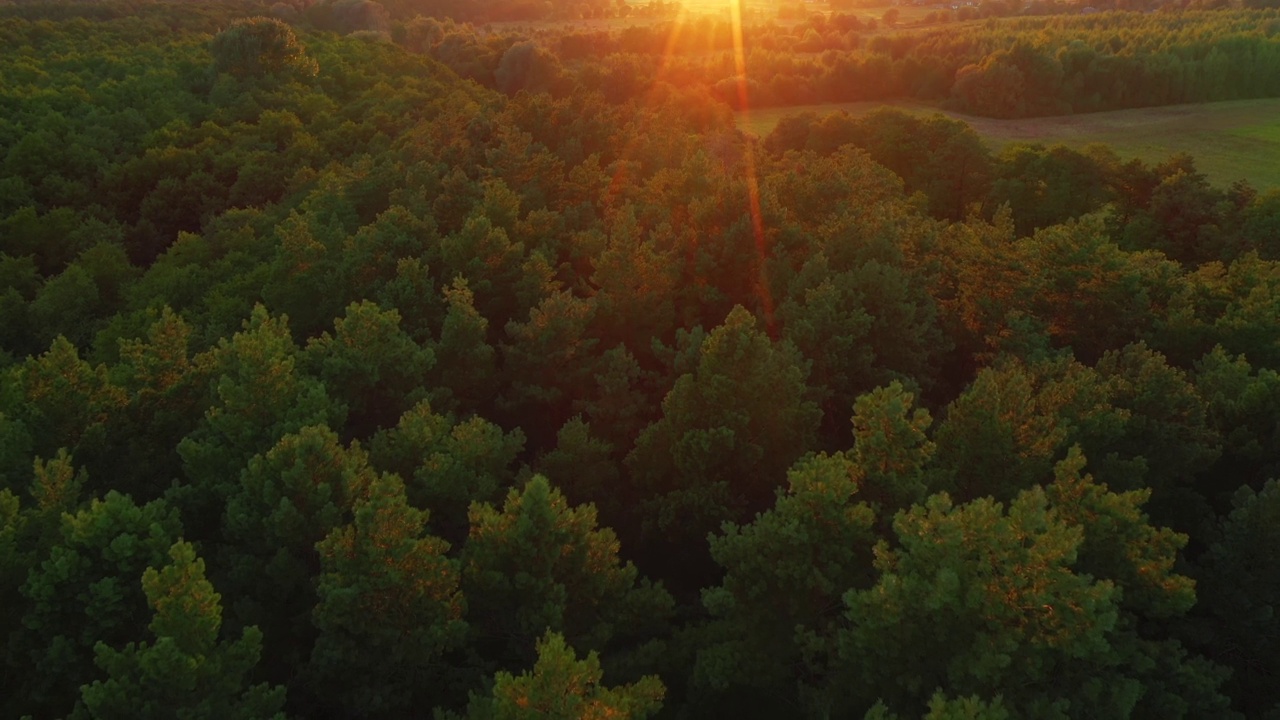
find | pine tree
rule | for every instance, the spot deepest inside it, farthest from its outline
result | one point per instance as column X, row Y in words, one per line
column 729, row 431
column 784, row 577
column 389, row 609
column 186, row 672
column 538, row 563
column 85, row 592
column 562, row 686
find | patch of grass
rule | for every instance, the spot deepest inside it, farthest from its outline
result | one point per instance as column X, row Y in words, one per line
column 1229, row 140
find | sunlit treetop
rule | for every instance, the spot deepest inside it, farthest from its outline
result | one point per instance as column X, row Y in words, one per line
column 260, row 46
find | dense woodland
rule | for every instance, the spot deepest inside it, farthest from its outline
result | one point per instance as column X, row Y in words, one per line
column 1015, row 67
column 335, row 384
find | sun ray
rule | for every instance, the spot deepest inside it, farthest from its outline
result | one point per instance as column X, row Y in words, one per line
column 749, row 161
column 669, row 53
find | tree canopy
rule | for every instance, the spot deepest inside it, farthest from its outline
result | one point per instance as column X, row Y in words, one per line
column 357, row 360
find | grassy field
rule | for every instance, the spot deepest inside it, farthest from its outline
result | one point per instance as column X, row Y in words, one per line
column 1229, row 140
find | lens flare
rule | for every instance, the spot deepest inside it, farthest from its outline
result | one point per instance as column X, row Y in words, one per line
column 749, row 164
column 677, row 29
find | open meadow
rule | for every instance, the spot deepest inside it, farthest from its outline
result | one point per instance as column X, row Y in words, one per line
column 1229, row 140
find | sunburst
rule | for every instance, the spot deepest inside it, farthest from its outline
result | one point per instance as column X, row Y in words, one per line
column 678, row 27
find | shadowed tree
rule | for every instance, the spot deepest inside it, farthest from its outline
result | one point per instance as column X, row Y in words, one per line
column 729, row 431
column 1048, row 186
column 86, row 592
column 1239, row 587
column 389, row 609
column 891, row 449
column 586, row 470
column 68, row 305
column 465, row 373
column 539, row 564
column 258, row 395
column 1047, row 604
column 64, row 402
column 562, row 686
column 490, row 262
column 15, row 450
column 259, row 46
column 186, row 672
column 1119, row 542
column 447, row 465
column 942, row 707
column 371, row 365
column 1243, row 407
column 549, row 359
column 27, row 537
column 167, row 395
column 527, row 66
column 997, row 440
column 784, row 576
column 1165, row 439
column 288, row 499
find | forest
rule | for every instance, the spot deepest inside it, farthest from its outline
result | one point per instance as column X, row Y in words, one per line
column 356, row 365
column 1004, row 68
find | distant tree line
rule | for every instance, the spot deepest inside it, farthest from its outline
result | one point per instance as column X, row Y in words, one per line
column 1007, row 68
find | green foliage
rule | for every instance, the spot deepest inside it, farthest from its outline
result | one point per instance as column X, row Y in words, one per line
column 15, row 448
column 637, row 281
column 549, row 357
column 186, row 672
column 490, row 261
column 785, row 574
column 15, row 562
column 729, row 430
column 562, row 686
column 1231, row 306
column 526, row 66
column 1137, row 419
column 539, row 564
column 1047, row 186
column 288, row 499
column 891, row 449
column 370, row 364
column 995, row 441
column 447, row 465
column 258, row 395
column 57, row 486
column 85, row 593
column 1166, row 434
column 68, row 301
column 299, row 304
column 1239, row 587
column 1007, row 615
column 27, row 537
column 1242, row 403
column 311, row 267
column 942, row 707
column 63, row 401
column 166, row 388
column 1119, row 543
column 259, row 46
column 584, row 468
column 389, row 609
column 465, row 361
